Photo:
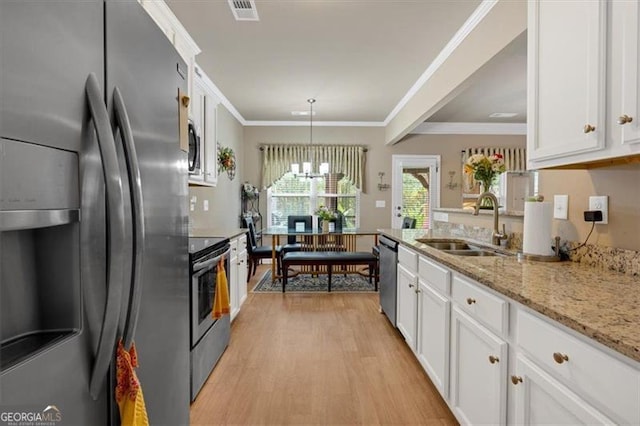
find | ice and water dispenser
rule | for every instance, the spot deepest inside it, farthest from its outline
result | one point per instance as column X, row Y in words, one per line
column 40, row 291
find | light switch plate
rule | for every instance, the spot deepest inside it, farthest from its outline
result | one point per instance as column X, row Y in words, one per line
column 561, row 207
column 205, row 205
column 380, row 204
column 601, row 203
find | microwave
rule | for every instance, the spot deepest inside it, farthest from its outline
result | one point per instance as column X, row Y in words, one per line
column 195, row 150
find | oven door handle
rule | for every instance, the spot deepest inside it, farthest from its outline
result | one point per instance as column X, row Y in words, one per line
column 115, row 236
column 137, row 214
column 198, row 266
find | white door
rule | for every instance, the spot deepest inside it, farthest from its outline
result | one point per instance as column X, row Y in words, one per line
column 478, row 372
column 433, row 336
column 406, row 312
column 415, row 189
column 541, row 400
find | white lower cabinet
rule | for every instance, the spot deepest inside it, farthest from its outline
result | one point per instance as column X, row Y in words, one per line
column 242, row 276
column 433, row 335
column 478, row 372
column 233, row 280
column 540, row 399
column 406, row 312
column 496, row 362
column 237, row 274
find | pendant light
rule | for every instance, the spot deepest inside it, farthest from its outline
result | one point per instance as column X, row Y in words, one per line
column 307, row 166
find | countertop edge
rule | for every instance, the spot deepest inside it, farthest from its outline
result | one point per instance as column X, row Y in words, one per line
column 217, row 233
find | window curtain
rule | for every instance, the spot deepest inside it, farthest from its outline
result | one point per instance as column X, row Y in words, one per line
column 346, row 159
column 515, row 160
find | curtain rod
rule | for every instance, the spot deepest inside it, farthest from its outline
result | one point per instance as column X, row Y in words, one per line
column 364, row 148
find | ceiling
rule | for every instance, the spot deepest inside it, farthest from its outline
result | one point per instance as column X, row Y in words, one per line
column 358, row 58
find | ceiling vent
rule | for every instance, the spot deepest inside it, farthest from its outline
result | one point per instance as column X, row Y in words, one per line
column 244, row 10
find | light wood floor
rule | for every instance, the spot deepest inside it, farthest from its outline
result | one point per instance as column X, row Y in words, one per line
column 317, row 359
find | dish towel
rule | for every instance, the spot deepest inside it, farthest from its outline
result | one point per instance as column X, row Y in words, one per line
column 221, row 299
column 128, row 391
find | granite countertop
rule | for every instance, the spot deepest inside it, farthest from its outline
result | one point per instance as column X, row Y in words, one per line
column 603, row 305
column 217, row 232
column 469, row 210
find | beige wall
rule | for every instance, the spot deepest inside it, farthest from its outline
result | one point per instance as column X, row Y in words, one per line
column 378, row 159
column 224, row 199
column 621, row 184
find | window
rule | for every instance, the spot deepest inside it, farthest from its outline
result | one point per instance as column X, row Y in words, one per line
column 291, row 195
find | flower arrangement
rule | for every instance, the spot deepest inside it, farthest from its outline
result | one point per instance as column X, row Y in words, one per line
column 250, row 191
column 226, row 159
column 484, row 168
column 325, row 214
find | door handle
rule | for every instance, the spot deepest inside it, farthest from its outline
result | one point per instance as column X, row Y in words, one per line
column 137, row 214
column 115, row 236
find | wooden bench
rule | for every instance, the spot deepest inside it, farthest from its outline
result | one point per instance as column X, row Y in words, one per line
column 328, row 259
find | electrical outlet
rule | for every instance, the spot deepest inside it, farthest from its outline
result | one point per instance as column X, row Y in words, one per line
column 600, row 203
column 561, row 207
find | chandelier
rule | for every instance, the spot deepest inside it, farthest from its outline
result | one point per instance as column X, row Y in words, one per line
column 307, row 167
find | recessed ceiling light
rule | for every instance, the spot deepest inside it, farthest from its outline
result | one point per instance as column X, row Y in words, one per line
column 298, row 113
column 503, row 114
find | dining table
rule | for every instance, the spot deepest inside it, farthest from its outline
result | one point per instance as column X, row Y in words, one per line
column 317, row 240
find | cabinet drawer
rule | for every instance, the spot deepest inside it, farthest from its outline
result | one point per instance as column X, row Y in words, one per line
column 408, row 258
column 490, row 310
column 435, row 275
column 234, row 247
column 588, row 371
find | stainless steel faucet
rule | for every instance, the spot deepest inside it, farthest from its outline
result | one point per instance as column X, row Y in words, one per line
column 497, row 235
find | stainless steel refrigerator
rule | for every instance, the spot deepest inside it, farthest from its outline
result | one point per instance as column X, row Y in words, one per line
column 93, row 219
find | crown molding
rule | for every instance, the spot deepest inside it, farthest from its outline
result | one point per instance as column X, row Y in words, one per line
column 429, row 128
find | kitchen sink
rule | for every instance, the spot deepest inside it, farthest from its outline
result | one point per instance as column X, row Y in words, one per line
column 458, row 247
column 472, row 252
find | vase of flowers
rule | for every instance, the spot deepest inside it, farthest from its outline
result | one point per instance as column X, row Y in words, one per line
column 326, row 217
column 485, row 170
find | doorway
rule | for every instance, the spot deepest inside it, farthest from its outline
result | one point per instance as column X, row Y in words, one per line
column 415, row 186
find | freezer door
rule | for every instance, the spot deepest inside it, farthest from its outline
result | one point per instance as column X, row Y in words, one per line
column 47, row 50
column 144, row 66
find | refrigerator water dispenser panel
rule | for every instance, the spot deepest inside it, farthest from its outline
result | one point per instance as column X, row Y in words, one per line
column 40, row 300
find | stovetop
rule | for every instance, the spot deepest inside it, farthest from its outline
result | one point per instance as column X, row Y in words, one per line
column 202, row 245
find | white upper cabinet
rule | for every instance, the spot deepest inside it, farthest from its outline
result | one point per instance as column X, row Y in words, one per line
column 204, row 113
column 583, row 94
column 566, row 72
column 623, row 119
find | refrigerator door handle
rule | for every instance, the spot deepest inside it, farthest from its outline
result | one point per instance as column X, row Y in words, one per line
column 137, row 213
column 115, row 235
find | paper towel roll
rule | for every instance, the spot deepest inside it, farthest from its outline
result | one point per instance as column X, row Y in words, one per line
column 537, row 228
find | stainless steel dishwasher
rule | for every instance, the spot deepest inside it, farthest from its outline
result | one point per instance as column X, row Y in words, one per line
column 388, row 276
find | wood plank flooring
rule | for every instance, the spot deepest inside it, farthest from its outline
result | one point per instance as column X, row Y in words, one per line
column 331, row 359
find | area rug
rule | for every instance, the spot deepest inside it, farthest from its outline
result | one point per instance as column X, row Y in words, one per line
column 308, row 284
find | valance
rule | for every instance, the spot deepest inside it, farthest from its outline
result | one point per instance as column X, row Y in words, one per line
column 346, row 159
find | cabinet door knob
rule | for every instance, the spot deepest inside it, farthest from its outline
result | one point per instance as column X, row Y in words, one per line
column 417, row 290
column 516, row 379
column 185, row 101
column 470, row 301
column 588, row 128
column 411, row 286
column 493, row 359
column 624, row 119
column 560, row 358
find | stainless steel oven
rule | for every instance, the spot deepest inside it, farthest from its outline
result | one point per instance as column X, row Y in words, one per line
column 209, row 336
